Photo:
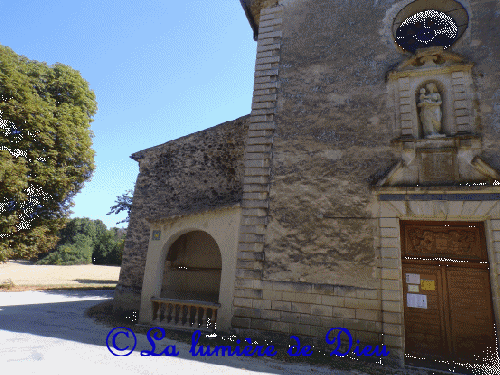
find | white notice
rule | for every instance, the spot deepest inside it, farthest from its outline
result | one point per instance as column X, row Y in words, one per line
column 416, row 300
column 413, row 278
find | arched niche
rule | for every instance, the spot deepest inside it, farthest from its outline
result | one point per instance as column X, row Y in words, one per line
column 193, row 267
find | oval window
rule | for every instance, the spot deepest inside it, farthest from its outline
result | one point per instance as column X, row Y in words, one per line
column 426, row 29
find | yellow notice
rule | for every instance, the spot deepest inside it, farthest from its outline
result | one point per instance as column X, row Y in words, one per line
column 427, row 285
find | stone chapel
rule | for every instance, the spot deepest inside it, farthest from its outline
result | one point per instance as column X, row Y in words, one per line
column 362, row 191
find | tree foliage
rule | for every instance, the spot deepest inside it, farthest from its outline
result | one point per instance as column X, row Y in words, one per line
column 123, row 203
column 45, row 150
column 93, row 229
column 109, row 249
column 85, row 241
column 79, row 251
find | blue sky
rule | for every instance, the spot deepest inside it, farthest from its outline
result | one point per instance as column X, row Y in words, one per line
column 160, row 70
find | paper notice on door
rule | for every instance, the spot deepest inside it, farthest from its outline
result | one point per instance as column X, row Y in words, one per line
column 427, row 284
column 416, row 300
column 413, row 278
column 413, row 288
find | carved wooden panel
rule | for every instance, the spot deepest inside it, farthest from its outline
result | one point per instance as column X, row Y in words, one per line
column 444, row 240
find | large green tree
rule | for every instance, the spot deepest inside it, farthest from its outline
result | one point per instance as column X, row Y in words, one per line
column 45, row 150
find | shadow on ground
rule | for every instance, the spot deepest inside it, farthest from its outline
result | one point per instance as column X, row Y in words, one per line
column 89, row 281
column 59, row 319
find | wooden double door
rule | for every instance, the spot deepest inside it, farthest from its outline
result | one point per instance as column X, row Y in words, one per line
column 448, row 313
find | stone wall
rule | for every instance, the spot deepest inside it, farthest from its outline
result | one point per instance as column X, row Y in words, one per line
column 194, row 173
column 308, row 309
column 483, row 50
column 313, row 231
column 314, row 221
column 332, row 139
column 323, row 65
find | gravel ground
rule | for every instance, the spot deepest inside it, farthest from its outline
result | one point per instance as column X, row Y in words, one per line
column 25, row 273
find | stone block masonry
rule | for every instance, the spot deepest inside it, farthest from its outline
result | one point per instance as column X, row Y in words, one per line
column 257, row 162
column 310, row 310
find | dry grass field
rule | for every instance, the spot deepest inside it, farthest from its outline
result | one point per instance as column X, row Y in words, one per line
column 24, row 275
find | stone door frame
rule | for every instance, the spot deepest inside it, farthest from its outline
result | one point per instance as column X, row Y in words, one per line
column 223, row 225
column 394, row 208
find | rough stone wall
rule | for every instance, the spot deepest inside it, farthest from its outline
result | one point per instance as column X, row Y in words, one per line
column 332, row 139
column 481, row 47
column 191, row 174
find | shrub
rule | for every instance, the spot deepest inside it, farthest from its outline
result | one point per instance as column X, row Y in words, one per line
column 8, row 284
column 79, row 252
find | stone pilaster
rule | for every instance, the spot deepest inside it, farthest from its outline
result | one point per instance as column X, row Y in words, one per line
column 408, row 127
column 460, row 101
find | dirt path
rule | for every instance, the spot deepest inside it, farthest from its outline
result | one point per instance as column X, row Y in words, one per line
column 25, row 273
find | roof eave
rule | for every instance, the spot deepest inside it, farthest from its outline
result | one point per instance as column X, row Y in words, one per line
column 250, row 19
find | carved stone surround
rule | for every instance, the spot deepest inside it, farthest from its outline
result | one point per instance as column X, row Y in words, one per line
column 452, row 156
column 453, row 80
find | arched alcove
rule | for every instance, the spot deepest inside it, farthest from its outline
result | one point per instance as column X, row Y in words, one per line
column 193, row 268
column 196, row 283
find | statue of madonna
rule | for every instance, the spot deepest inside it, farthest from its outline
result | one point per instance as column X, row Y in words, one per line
column 430, row 111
